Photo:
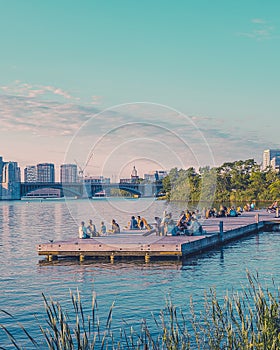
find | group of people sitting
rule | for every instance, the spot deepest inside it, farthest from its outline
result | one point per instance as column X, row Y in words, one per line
column 90, row 230
column 187, row 224
column 138, row 223
column 222, row 212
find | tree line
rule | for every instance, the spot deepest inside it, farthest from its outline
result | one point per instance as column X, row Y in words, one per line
column 237, row 181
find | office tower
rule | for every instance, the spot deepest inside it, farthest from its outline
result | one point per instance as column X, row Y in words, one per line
column 275, row 163
column 30, row 173
column 268, row 155
column 10, row 186
column 68, row 173
column 45, row 172
column 1, row 168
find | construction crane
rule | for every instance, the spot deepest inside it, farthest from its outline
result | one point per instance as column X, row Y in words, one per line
column 82, row 169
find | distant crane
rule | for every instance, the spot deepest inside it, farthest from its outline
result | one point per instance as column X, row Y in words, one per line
column 82, row 169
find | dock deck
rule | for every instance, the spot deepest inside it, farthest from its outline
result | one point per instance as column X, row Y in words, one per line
column 135, row 244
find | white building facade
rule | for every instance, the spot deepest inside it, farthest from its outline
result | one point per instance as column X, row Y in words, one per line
column 268, row 156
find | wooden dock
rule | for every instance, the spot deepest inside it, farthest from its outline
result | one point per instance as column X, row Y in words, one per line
column 133, row 245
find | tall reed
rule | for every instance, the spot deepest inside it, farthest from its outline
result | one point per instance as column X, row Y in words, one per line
column 246, row 320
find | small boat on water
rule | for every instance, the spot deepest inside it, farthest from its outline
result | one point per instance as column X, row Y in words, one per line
column 100, row 194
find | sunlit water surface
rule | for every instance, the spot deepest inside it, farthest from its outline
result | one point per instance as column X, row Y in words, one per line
column 138, row 289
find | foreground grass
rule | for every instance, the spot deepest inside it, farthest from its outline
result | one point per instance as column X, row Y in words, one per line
column 248, row 320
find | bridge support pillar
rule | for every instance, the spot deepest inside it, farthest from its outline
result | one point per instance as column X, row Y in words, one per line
column 221, row 230
column 257, row 218
column 112, row 258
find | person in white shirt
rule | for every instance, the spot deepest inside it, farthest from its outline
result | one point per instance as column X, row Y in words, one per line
column 83, row 231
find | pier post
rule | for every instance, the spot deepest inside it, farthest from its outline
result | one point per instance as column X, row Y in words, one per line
column 257, row 218
column 277, row 213
column 221, row 230
column 112, row 258
column 147, row 258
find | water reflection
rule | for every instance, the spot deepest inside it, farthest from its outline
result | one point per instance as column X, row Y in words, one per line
column 222, row 257
column 138, row 288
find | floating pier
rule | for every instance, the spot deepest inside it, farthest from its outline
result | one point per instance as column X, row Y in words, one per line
column 134, row 244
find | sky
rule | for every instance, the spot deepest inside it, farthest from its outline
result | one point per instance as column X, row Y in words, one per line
column 155, row 84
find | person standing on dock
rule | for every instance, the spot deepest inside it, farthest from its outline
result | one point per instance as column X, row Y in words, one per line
column 83, row 231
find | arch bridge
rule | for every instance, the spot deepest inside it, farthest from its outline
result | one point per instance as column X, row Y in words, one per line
column 83, row 190
column 66, row 189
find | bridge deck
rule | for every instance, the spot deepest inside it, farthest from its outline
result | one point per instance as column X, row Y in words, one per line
column 135, row 244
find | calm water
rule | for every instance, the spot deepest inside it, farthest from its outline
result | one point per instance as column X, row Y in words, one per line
column 137, row 288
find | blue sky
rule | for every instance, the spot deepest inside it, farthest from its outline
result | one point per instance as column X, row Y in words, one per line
column 63, row 63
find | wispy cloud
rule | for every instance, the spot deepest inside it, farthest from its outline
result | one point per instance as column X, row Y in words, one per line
column 18, row 88
column 41, row 117
column 260, row 30
column 124, row 133
column 258, row 21
column 96, row 100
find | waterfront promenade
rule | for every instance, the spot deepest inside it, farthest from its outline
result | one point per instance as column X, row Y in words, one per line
column 134, row 244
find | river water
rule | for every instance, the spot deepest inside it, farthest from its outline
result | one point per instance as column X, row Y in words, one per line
column 138, row 289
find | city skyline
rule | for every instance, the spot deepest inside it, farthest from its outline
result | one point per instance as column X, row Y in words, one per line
column 72, row 75
column 70, row 172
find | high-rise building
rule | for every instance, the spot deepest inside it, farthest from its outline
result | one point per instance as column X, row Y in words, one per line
column 45, row 172
column 268, row 155
column 10, row 185
column 68, row 173
column 275, row 163
column 30, row 173
column 1, row 170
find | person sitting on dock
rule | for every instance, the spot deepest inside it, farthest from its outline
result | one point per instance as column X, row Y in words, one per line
column 222, row 211
column 164, row 223
column 103, row 228
column 272, row 208
column 182, row 223
column 146, row 225
column 247, row 207
column 83, row 231
column 91, row 229
column 232, row 212
column 140, row 222
column 239, row 210
column 133, row 224
column 115, row 227
column 195, row 227
column 158, row 225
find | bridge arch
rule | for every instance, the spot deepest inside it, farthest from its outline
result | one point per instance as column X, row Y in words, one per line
column 130, row 190
column 73, row 189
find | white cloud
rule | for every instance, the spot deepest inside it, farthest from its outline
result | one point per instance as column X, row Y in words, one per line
column 18, row 88
column 258, row 21
column 41, row 117
column 121, row 134
column 260, row 30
